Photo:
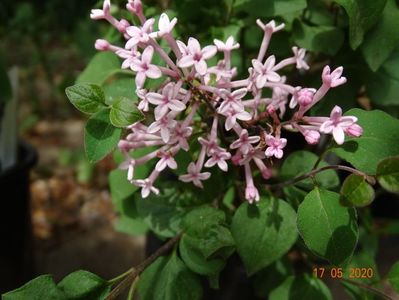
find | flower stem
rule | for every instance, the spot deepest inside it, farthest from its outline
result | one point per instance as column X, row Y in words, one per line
column 135, row 272
column 369, row 178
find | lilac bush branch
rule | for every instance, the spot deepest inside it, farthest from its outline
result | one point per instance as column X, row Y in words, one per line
column 234, row 105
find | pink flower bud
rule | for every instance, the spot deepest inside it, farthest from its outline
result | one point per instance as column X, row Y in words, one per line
column 354, row 130
column 101, row 45
column 134, row 6
column 266, row 173
column 122, row 25
column 236, row 158
column 305, row 97
column 312, row 136
column 124, row 145
column 271, row 109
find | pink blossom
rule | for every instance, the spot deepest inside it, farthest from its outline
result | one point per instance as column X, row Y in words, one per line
column 146, row 187
column 140, row 34
column 129, row 165
column 232, row 100
column 165, row 26
column 232, row 116
column 270, row 27
column 144, row 103
column 228, row 46
column 123, row 25
column 165, row 101
column 194, row 175
column 251, row 194
column 276, row 146
column 334, row 78
column 299, row 54
column 264, row 72
column 164, row 125
column 166, row 160
column 210, row 145
column 244, row 142
column 129, row 57
column 197, row 56
column 144, row 68
column 181, row 134
column 337, row 124
column 97, row 14
column 219, row 158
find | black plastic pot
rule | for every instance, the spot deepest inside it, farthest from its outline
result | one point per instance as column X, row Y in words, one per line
column 16, row 250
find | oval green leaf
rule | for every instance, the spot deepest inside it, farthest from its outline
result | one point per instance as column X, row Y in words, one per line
column 88, row 98
column 101, row 136
column 388, row 174
column 124, row 112
column 263, row 233
column 355, row 191
column 328, row 229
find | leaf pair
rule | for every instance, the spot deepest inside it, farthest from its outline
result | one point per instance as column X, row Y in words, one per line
column 103, row 129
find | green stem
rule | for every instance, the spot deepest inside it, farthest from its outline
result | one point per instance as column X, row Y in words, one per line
column 132, row 289
column 119, row 277
column 368, row 287
column 313, row 172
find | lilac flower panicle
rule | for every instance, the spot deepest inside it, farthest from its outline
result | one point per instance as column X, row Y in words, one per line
column 251, row 124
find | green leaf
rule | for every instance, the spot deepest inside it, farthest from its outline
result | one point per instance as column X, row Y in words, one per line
column 322, row 38
column 273, row 8
column 328, row 229
column 169, row 279
column 101, row 67
column 272, row 276
column 124, row 112
column 101, row 136
column 82, row 285
column 393, row 276
column 164, row 213
column 383, row 38
column 355, row 191
column 120, row 87
column 88, row 98
column 388, row 174
column 263, row 233
column 40, row 288
column 301, row 162
column 301, row 287
column 383, row 86
column 379, row 140
column 206, row 242
column 363, row 14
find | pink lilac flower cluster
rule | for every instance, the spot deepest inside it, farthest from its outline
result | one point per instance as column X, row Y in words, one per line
column 248, row 123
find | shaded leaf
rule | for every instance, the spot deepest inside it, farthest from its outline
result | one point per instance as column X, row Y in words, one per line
column 263, row 233
column 101, row 137
column 124, row 112
column 355, row 191
column 328, row 229
column 388, row 174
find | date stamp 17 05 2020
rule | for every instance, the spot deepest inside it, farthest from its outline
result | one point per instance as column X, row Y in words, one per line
column 321, row 272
